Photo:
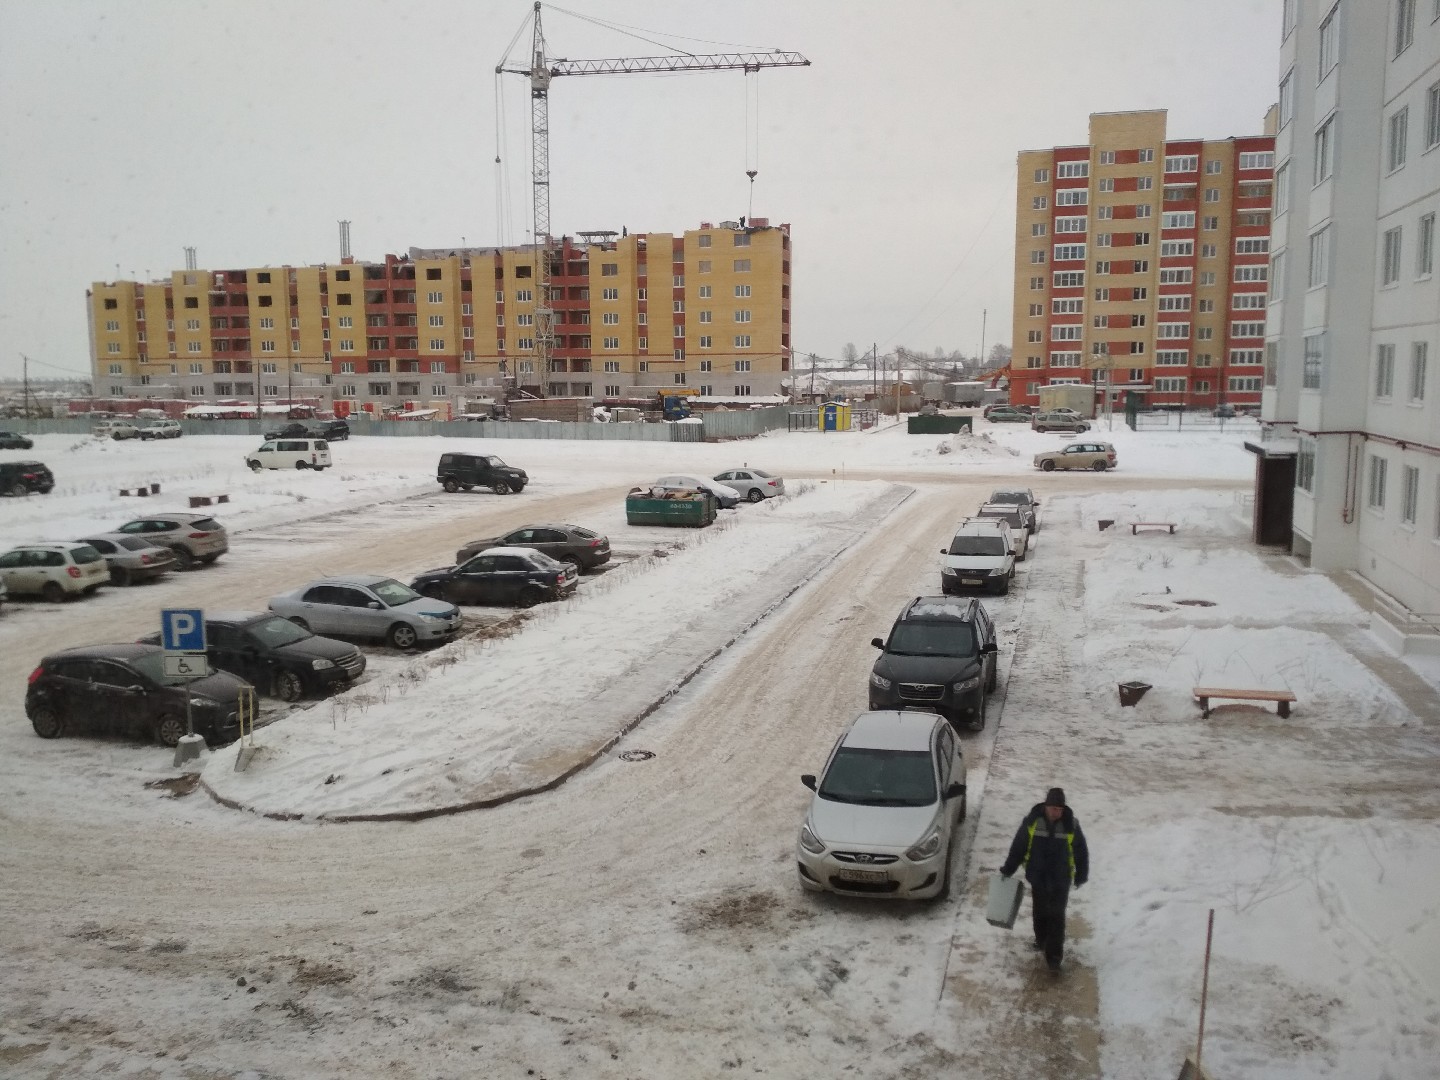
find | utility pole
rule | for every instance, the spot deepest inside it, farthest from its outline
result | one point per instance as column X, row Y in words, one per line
column 984, row 314
column 25, row 400
column 874, row 370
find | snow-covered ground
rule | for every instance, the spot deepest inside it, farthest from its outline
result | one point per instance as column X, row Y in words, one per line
column 641, row 919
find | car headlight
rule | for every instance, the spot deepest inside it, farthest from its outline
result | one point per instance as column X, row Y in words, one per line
column 999, row 571
column 966, row 684
column 321, row 664
column 433, row 616
column 879, row 681
column 200, row 702
column 948, row 571
column 927, row 848
column 809, row 841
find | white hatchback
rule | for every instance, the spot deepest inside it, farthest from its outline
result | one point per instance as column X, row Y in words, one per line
column 886, row 809
column 54, row 571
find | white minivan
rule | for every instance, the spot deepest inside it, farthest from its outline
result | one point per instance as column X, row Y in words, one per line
column 290, row 454
column 980, row 556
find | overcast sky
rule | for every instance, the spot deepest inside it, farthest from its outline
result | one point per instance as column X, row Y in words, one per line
column 131, row 129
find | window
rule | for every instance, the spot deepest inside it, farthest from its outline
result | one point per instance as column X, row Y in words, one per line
column 1070, row 224
column 1104, row 239
column 742, row 316
column 1251, row 273
column 1141, row 239
column 1143, row 210
column 609, row 269
column 1072, row 197
column 1105, row 213
column 437, row 344
column 706, row 341
column 1399, row 130
column 1404, row 25
column 679, row 330
column 1247, row 329
column 430, row 298
column 1037, row 310
column 1068, row 279
column 742, row 266
column 1144, row 183
column 1319, row 257
column 1329, row 45
column 1178, row 220
column 1107, row 157
column 1174, row 303
column 1282, row 189
column 1038, row 256
column 1425, row 247
column 1384, row 371
column 1072, row 332
column 1172, row 358
column 1212, row 194
column 1390, row 259
column 1325, row 150
column 610, row 343
column 529, row 343
column 1176, row 276
column 1034, row 335
column 742, row 290
column 1243, row 384
column 1069, row 170
column 742, row 365
column 1247, row 301
column 1247, row 357
column 1069, row 252
column 742, row 341
column 1172, row 330
column 1313, row 361
column 1419, row 361
column 1375, row 496
column 642, row 343
column 703, row 240
column 1042, row 176
column 1107, row 183
column 1409, row 494
column 1169, row 386
column 741, row 239
column 1100, row 321
column 1064, row 359
column 1067, row 307
column 678, row 282
column 1182, row 163
column 1039, row 202
column 611, row 293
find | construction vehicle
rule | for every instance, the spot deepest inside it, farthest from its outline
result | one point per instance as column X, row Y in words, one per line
column 673, row 403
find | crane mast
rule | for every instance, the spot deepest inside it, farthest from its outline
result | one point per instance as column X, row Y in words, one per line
column 540, row 72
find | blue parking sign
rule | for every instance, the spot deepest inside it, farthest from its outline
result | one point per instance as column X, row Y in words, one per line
column 182, row 630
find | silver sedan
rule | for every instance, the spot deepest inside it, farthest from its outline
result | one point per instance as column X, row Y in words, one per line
column 131, row 559
column 369, row 606
column 754, row 485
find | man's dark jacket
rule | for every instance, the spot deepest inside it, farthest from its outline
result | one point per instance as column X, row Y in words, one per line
column 1048, row 867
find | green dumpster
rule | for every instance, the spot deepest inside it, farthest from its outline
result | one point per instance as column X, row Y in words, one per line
column 692, row 509
column 939, row 424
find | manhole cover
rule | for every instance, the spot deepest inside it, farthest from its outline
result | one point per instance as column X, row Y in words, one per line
column 1196, row 603
column 636, row 755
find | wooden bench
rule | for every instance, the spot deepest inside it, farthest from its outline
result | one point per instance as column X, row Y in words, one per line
column 1135, row 526
column 1283, row 698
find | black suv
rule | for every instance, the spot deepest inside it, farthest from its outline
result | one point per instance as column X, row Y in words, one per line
column 23, row 477
column 467, row 471
column 329, row 430
column 940, row 655
column 277, row 656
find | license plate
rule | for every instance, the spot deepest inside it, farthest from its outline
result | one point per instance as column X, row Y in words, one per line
column 972, row 581
column 873, row 876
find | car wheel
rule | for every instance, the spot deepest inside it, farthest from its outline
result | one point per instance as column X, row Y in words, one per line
column 53, row 592
column 1099, row 466
column 302, row 465
column 254, row 466
column 208, row 559
column 119, row 575
column 289, row 686
column 528, row 598
column 302, row 624
column 978, row 723
column 944, row 893
column 47, row 720
column 756, row 495
column 500, row 488
column 1005, row 585
column 402, row 636
column 183, row 559
column 994, row 679
column 964, row 808
column 168, row 729
column 19, row 489
column 451, row 485
column 1047, row 465
column 517, row 488
column 468, row 487
column 574, row 560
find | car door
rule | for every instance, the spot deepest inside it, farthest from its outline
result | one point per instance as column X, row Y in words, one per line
column 121, row 699
column 321, row 610
column 226, row 650
column 353, row 613
column 985, row 635
column 552, row 542
column 945, row 769
column 474, row 583
column 15, row 569
column 69, row 689
column 511, row 574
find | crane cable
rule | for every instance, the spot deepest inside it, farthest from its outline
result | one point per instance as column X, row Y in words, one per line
column 752, row 141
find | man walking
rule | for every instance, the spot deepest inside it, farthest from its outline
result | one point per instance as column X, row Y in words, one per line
column 1052, row 847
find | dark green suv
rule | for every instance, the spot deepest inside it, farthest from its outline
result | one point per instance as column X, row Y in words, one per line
column 457, row 472
column 23, row 477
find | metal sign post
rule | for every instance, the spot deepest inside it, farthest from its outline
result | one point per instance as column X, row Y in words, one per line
column 182, row 636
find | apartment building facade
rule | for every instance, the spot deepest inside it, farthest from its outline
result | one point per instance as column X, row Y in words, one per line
column 1354, row 318
column 1141, row 263
column 709, row 309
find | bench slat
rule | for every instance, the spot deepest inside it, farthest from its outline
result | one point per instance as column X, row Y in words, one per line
column 1257, row 695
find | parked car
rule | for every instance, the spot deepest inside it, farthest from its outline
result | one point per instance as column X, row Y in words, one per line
column 369, row 606
column 754, row 485
column 940, row 655
column 290, row 454
column 502, row 575
column 1019, row 497
column 1087, row 455
column 54, row 571
column 979, row 556
column 13, row 440
column 123, row 689
column 581, row 548
column 131, row 559
column 469, row 471
column 276, row 656
column 727, row 496
column 22, row 477
column 1222, row 411
column 115, row 429
column 886, row 809
column 1017, row 517
column 162, row 429
column 329, row 430
column 1056, row 420
column 192, row 537
column 1008, row 414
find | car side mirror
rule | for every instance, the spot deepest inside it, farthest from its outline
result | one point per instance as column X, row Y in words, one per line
column 989, row 647
column 808, row 779
column 135, row 689
column 955, row 790
column 944, row 551
column 879, row 643
column 373, row 605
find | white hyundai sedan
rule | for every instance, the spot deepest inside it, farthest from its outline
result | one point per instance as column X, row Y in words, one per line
column 885, row 809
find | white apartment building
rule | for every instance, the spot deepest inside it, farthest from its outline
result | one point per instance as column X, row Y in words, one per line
column 1351, row 400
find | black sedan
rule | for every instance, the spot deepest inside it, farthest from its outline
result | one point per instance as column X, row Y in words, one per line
column 123, row 689
column 583, row 549
column 13, row 440
column 282, row 659
column 501, row 575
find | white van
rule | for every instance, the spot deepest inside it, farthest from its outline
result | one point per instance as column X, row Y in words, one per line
column 290, row 454
column 979, row 557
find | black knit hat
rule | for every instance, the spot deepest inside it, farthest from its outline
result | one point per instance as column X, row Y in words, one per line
column 1055, row 797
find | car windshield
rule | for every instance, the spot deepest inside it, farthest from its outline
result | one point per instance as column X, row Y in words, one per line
column 583, row 534
column 978, row 545
column 494, row 462
column 932, row 639
column 84, row 554
column 205, row 524
column 880, row 778
column 135, row 543
column 544, row 562
column 276, row 631
column 393, row 593
column 1014, row 517
column 763, row 474
column 1016, row 498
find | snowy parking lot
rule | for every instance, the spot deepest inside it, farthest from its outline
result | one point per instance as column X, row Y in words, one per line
column 609, row 890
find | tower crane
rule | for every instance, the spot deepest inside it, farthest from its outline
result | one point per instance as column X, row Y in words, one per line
column 544, row 68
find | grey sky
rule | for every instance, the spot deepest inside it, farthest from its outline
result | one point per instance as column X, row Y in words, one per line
column 129, row 130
